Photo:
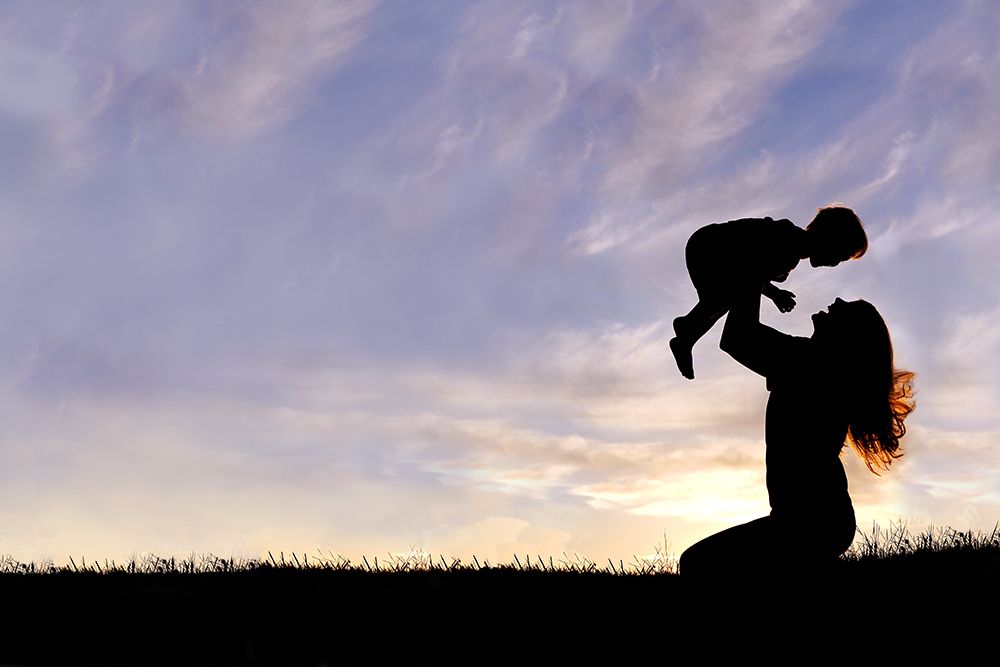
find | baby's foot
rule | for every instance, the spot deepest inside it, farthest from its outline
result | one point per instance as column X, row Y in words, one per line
column 682, row 329
column 682, row 355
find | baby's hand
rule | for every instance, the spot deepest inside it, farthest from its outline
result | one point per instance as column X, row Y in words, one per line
column 784, row 300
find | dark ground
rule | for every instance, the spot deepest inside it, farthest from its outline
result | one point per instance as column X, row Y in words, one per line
column 291, row 616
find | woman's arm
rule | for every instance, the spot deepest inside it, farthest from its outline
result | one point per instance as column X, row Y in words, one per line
column 757, row 346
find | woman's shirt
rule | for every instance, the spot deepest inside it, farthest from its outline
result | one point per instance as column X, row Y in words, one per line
column 805, row 430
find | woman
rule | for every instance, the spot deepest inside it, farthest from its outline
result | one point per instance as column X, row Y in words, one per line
column 838, row 385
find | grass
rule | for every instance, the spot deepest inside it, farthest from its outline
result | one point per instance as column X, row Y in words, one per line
column 897, row 542
column 414, row 561
column 891, row 546
column 294, row 608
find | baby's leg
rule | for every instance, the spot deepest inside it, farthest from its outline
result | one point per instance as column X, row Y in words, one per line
column 702, row 317
column 683, row 356
column 690, row 328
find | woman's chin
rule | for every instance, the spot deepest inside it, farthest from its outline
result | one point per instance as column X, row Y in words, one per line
column 821, row 325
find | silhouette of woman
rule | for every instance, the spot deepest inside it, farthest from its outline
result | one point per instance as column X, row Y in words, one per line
column 837, row 385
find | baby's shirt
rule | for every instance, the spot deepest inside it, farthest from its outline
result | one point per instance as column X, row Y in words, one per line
column 750, row 250
column 765, row 247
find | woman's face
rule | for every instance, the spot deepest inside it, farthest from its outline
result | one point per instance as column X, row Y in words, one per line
column 836, row 318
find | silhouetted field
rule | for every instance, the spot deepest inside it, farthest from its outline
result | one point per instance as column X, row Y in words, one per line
column 296, row 610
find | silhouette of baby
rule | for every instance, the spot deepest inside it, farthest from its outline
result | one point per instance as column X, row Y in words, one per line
column 723, row 258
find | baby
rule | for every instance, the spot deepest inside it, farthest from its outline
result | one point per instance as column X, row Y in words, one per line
column 722, row 257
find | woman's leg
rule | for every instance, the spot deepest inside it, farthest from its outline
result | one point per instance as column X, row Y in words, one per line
column 768, row 546
column 735, row 553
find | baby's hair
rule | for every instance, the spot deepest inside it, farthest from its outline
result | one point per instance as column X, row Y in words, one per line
column 838, row 221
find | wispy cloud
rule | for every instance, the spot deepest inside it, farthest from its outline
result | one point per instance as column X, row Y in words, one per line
column 261, row 61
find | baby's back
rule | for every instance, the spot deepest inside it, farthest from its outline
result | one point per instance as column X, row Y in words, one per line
column 749, row 248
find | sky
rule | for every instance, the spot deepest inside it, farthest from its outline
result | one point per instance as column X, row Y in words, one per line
column 359, row 277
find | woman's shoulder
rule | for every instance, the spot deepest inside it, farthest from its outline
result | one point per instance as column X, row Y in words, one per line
column 792, row 361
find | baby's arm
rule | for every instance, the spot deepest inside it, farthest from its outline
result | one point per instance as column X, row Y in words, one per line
column 783, row 299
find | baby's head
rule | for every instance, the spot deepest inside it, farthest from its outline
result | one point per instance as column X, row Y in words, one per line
column 839, row 236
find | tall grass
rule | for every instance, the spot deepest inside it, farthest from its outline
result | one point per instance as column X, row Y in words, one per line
column 897, row 542
column 413, row 561
column 894, row 544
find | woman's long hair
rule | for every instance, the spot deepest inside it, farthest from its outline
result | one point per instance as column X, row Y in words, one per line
column 877, row 395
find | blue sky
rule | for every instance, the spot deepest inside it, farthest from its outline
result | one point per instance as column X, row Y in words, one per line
column 363, row 276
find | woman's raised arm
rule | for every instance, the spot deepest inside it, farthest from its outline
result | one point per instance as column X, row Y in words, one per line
column 757, row 346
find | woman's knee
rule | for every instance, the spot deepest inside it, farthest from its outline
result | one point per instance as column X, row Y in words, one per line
column 728, row 553
column 689, row 563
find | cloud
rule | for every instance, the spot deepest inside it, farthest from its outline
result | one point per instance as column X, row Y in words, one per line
column 261, row 61
column 33, row 85
column 226, row 69
column 963, row 365
column 712, row 74
column 498, row 539
column 386, row 273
